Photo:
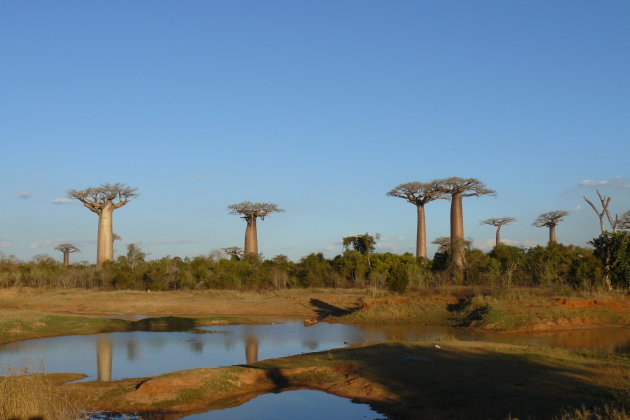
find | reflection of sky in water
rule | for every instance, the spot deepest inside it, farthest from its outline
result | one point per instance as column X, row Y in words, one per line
column 290, row 405
column 138, row 354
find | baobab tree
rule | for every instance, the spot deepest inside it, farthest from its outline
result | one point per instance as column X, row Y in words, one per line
column 103, row 200
column 235, row 252
column 67, row 249
column 498, row 222
column 418, row 194
column 458, row 188
column 550, row 220
column 250, row 212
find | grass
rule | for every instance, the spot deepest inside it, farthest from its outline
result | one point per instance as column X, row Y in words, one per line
column 21, row 325
column 28, row 394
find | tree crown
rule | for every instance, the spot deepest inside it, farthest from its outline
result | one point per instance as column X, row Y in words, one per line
column 67, row 248
column 418, row 193
column 249, row 209
column 444, row 243
column 466, row 187
column 363, row 244
column 95, row 198
column 550, row 219
column 498, row 221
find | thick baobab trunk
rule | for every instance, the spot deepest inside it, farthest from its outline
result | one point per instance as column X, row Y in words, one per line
column 251, row 240
column 421, row 236
column 457, row 234
column 552, row 235
column 498, row 236
column 66, row 258
column 105, row 245
column 104, row 359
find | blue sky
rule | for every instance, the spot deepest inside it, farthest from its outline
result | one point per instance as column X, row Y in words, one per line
column 321, row 107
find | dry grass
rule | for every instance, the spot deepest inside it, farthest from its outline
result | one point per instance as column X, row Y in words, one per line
column 27, row 394
column 598, row 413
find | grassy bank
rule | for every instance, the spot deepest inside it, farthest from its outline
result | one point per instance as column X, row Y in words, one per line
column 30, row 313
column 21, row 325
column 405, row 381
column 496, row 310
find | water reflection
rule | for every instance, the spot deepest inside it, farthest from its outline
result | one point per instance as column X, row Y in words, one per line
column 251, row 350
column 104, row 359
column 139, row 354
column 289, row 405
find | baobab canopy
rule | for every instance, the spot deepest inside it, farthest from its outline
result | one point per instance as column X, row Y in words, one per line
column 249, row 209
column 95, row 198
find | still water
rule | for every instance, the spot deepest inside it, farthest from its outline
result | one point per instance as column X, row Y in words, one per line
column 311, row 405
column 137, row 354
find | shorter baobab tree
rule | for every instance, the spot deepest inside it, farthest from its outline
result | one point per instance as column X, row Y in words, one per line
column 234, row 252
column 250, row 212
column 418, row 194
column 103, row 200
column 67, row 249
column 550, row 220
column 498, row 222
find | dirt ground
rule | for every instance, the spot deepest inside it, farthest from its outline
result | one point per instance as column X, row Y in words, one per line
column 300, row 303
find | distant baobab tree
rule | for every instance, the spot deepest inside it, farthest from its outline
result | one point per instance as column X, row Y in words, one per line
column 498, row 222
column 67, row 249
column 250, row 212
column 103, row 200
column 457, row 188
column 550, row 220
column 235, row 252
column 418, row 194
column 616, row 222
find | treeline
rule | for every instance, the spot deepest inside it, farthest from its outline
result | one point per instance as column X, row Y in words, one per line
column 608, row 263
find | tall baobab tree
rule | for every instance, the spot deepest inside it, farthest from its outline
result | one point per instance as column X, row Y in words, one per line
column 418, row 194
column 67, row 249
column 498, row 222
column 550, row 220
column 250, row 212
column 458, row 188
column 103, row 200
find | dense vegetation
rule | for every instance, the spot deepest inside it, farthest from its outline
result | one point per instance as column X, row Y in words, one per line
column 504, row 266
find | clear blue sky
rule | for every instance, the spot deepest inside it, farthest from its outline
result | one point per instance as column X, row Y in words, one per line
column 321, row 107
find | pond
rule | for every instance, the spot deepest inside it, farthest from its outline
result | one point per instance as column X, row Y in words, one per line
column 137, row 354
column 113, row 356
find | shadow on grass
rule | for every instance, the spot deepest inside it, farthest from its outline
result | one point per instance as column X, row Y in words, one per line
column 324, row 309
column 445, row 383
column 166, row 323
